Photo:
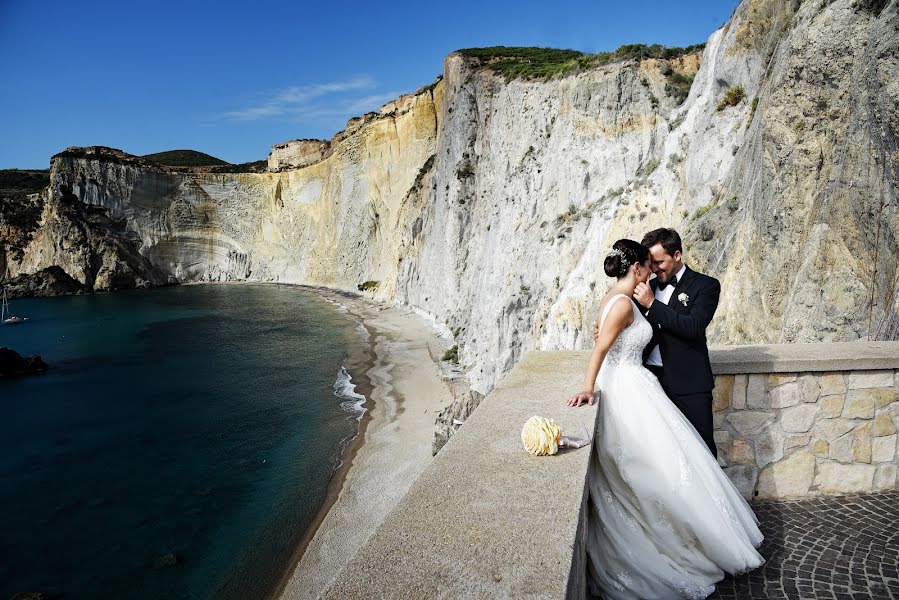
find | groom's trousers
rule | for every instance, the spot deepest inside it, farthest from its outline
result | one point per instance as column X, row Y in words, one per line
column 696, row 407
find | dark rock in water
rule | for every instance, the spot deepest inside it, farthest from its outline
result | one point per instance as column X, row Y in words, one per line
column 12, row 363
column 52, row 281
column 166, row 560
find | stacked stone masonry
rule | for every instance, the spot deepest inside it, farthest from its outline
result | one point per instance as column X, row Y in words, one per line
column 785, row 435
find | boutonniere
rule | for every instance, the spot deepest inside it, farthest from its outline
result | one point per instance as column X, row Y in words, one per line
column 683, row 298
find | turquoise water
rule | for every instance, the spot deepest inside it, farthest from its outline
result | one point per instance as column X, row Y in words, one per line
column 199, row 421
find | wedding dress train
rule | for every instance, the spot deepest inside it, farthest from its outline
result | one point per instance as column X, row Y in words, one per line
column 665, row 521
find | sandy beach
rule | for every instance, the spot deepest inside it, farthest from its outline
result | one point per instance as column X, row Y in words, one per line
column 394, row 445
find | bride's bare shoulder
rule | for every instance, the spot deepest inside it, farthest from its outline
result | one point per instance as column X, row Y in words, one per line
column 618, row 311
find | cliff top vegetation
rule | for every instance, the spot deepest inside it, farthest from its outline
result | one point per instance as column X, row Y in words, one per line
column 194, row 160
column 184, row 158
column 18, row 182
column 170, row 161
column 543, row 63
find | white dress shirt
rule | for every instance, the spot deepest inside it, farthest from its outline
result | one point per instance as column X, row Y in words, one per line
column 663, row 296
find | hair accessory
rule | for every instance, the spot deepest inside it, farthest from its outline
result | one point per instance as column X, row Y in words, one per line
column 624, row 261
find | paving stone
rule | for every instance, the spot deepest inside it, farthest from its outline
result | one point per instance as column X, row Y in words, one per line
column 884, row 449
column 860, row 404
column 808, row 542
column 776, row 379
column 870, row 379
column 792, row 441
column 790, row 477
column 830, row 429
column 832, row 406
column 769, row 447
column 785, row 395
column 722, row 392
column 861, row 447
column 749, row 422
column 883, row 425
column 798, row 419
column 757, row 392
column 738, row 394
column 832, row 383
column 885, row 479
column 740, row 452
column 837, row 478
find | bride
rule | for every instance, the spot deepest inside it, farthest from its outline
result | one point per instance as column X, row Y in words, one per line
column 665, row 521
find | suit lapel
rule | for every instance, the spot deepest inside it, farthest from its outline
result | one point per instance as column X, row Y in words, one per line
column 680, row 287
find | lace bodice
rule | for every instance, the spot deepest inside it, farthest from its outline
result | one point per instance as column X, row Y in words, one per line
column 628, row 348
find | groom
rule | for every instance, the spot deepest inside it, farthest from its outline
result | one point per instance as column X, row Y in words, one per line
column 679, row 303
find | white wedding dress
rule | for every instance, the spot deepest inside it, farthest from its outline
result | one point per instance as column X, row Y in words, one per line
column 665, row 521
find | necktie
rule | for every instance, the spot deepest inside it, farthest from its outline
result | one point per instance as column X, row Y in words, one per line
column 663, row 284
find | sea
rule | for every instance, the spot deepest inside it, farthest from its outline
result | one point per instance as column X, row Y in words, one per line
column 181, row 443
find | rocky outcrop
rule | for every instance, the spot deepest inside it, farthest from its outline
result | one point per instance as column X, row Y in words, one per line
column 13, row 364
column 51, row 281
column 489, row 204
column 296, row 154
column 70, row 247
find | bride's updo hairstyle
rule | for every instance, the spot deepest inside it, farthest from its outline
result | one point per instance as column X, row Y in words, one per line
column 624, row 254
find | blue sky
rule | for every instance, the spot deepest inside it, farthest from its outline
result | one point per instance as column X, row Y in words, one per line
column 231, row 79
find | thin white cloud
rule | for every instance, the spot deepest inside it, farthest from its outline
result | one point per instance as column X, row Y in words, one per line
column 298, row 99
column 373, row 102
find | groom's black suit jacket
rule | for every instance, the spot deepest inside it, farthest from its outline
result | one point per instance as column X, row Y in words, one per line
column 679, row 330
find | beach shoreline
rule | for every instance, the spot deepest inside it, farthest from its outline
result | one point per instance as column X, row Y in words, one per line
column 405, row 388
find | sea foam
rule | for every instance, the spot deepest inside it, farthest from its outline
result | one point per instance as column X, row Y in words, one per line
column 345, row 389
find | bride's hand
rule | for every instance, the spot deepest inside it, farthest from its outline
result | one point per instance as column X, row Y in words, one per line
column 580, row 398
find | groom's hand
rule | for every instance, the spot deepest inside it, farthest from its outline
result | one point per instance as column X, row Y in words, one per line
column 643, row 295
column 595, row 332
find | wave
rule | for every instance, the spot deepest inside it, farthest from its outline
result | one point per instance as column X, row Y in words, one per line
column 345, row 389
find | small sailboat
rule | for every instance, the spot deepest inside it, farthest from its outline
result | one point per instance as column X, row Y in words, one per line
column 6, row 317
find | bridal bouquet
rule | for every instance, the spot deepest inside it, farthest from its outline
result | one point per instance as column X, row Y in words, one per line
column 542, row 437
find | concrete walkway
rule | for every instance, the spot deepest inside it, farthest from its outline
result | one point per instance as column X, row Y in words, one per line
column 843, row 548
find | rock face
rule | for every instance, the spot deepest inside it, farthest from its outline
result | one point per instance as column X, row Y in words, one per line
column 12, row 363
column 76, row 247
column 52, row 281
column 297, row 153
column 490, row 204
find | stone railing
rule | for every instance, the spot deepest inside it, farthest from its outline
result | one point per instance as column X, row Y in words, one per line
column 488, row 520
column 807, row 419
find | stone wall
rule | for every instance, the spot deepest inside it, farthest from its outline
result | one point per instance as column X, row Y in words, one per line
column 808, row 431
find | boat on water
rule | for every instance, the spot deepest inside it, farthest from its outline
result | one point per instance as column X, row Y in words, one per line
column 6, row 317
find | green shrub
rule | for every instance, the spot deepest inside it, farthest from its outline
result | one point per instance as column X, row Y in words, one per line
column 702, row 211
column 648, row 167
column 368, row 285
column 257, row 166
column 678, row 85
column 732, row 97
column 752, row 107
column 452, row 354
column 543, row 63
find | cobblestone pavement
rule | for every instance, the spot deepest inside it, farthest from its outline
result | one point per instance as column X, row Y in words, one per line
column 843, row 548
